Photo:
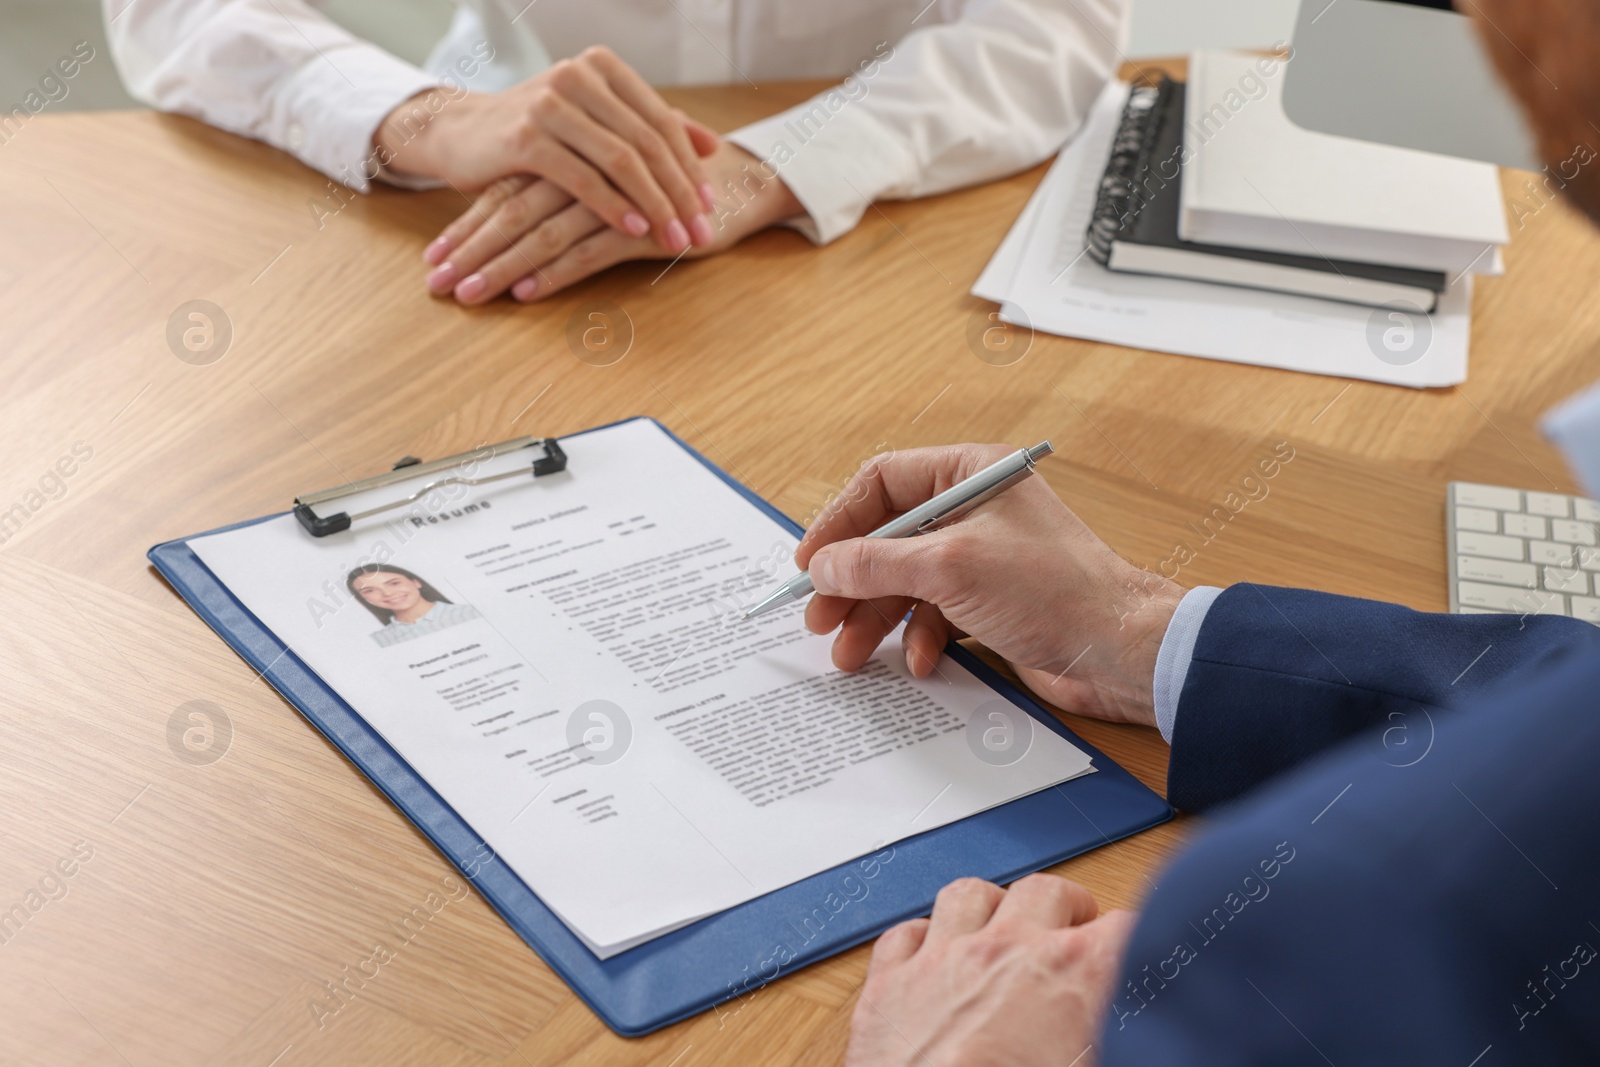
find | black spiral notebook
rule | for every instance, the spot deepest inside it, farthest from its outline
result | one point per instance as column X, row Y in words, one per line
column 1135, row 223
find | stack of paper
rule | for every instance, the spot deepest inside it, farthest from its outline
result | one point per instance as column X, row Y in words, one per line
column 1043, row 279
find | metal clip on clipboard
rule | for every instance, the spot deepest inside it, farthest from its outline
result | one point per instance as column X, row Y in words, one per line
column 550, row 461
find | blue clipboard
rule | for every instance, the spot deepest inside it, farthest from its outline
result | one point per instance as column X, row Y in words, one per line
column 734, row 953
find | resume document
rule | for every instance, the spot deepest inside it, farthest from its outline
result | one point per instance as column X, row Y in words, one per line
column 562, row 659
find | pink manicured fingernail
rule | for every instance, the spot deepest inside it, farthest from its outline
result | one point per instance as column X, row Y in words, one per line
column 525, row 289
column 636, row 224
column 677, row 236
column 436, row 251
column 703, row 233
column 472, row 287
column 442, row 279
column 708, row 196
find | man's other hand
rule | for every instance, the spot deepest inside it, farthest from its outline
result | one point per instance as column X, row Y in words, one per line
column 996, row 978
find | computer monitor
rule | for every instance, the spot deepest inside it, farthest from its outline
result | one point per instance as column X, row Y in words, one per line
column 1412, row 74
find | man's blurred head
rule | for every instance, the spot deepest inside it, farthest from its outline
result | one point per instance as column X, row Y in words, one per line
column 1548, row 51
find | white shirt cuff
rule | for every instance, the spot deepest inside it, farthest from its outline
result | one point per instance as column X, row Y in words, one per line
column 334, row 106
column 834, row 157
column 1177, row 651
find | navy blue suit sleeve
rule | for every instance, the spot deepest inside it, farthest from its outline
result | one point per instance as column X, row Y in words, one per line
column 1438, row 908
column 1278, row 675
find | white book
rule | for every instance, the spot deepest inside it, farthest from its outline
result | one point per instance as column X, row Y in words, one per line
column 1256, row 180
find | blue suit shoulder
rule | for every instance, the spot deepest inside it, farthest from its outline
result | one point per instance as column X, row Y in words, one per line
column 1426, row 896
column 1278, row 675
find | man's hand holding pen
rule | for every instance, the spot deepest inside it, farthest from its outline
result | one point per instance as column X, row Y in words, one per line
column 1022, row 574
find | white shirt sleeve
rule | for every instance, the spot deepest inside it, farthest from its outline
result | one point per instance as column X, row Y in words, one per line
column 992, row 92
column 1177, row 652
column 275, row 70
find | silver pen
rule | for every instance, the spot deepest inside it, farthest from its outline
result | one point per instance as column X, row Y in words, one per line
column 944, row 508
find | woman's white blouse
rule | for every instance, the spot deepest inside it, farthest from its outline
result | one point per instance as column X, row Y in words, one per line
column 937, row 94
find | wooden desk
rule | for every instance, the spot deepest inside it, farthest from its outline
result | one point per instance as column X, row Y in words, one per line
column 219, row 897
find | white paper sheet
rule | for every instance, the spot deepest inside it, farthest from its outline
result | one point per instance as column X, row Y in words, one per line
column 995, row 281
column 1055, row 287
column 595, row 710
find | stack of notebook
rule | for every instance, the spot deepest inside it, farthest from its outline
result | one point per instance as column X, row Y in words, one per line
column 1210, row 181
column 1196, row 219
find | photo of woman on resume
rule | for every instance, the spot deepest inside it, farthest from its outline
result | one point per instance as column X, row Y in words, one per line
column 407, row 606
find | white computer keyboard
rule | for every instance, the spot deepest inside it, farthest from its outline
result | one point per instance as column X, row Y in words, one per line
column 1518, row 552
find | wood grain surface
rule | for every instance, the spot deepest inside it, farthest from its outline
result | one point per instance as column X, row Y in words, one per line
column 209, row 903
